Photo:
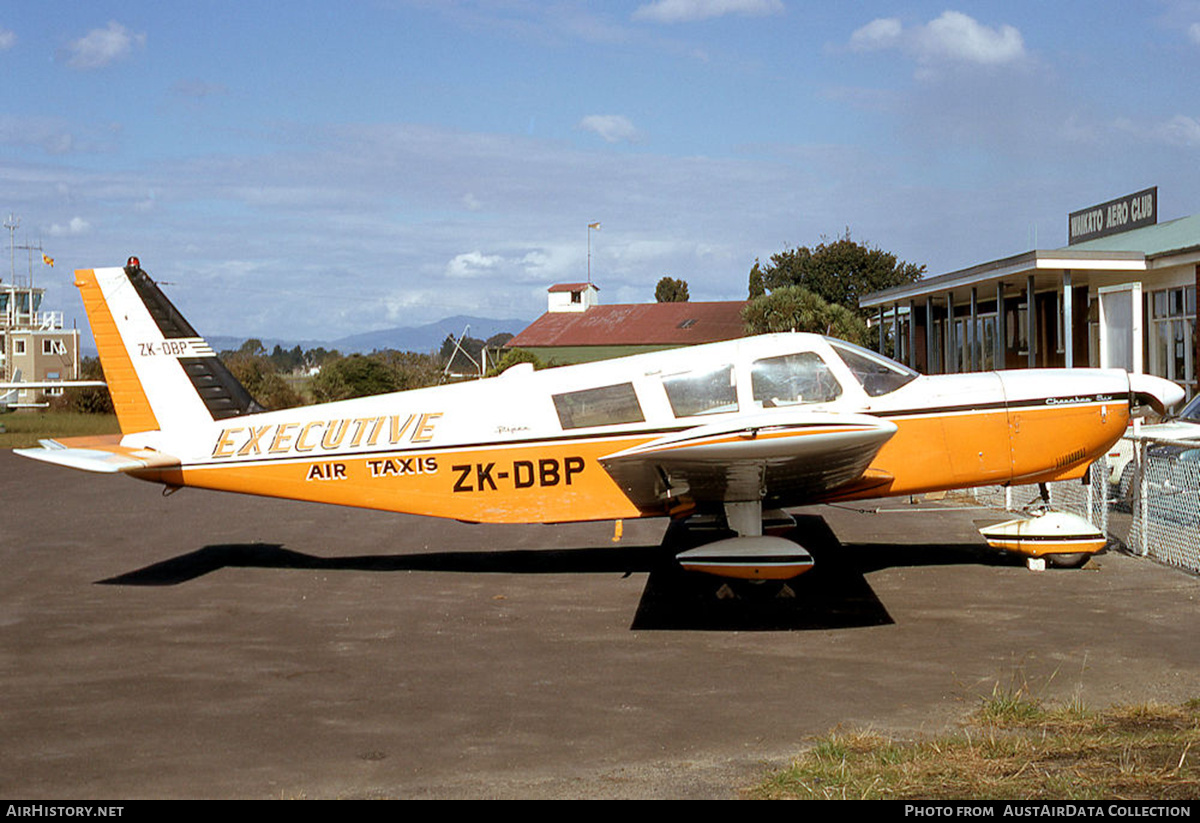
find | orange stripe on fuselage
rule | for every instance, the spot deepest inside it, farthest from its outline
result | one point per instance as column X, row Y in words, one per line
column 545, row 482
column 562, row 481
column 133, row 409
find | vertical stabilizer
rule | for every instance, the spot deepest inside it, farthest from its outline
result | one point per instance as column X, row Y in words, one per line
column 160, row 373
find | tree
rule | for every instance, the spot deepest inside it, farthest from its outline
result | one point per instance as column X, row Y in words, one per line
column 792, row 308
column 353, row 376
column 253, row 347
column 841, row 272
column 511, row 358
column 257, row 374
column 410, row 370
column 670, row 290
column 758, row 285
column 86, row 399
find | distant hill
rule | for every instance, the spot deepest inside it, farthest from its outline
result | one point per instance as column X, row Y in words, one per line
column 427, row 338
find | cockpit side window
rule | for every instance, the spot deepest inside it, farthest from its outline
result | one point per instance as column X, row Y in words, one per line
column 793, row 379
column 702, row 392
column 878, row 374
column 604, row 406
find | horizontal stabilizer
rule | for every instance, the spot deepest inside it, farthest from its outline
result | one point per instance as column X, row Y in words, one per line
column 98, row 454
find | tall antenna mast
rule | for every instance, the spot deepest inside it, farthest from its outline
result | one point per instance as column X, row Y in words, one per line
column 12, row 223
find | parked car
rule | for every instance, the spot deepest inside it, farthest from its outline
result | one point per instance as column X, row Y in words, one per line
column 1173, row 483
column 1183, row 428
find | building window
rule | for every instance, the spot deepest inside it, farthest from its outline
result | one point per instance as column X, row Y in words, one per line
column 1172, row 329
column 18, row 347
column 47, row 346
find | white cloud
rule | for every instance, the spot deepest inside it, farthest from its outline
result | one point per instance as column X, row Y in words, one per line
column 959, row 37
column 878, row 34
column 48, row 134
column 473, row 264
column 1180, row 130
column 953, row 37
column 8, row 39
column 1194, row 33
column 100, row 47
column 683, row 11
column 77, row 225
column 613, row 128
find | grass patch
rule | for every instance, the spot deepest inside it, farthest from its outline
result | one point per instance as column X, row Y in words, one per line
column 1011, row 748
column 24, row 428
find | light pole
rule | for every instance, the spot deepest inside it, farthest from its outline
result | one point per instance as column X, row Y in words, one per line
column 591, row 226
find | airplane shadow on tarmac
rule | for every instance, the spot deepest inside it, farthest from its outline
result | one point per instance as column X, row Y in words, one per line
column 833, row 595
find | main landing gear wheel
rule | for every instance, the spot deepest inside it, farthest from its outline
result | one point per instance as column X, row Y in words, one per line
column 1075, row 560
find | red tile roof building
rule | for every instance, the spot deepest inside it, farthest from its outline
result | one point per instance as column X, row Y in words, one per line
column 599, row 332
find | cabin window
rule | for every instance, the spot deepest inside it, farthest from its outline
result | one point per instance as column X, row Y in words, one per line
column 605, row 406
column 792, row 379
column 702, row 392
column 878, row 374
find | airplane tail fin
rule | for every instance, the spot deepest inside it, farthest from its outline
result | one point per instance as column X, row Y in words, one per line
column 161, row 374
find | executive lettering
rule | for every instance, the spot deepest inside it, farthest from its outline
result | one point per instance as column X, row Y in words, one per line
column 325, row 435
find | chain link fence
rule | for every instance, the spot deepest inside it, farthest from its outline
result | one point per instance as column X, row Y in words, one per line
column 1160, row 489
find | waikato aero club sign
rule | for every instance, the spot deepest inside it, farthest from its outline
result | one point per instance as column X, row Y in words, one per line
column 1123, row 214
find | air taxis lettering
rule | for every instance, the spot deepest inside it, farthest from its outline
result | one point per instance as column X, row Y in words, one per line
column 325, row 435
column 520, row 474
column 400, row 466
column 326, row 471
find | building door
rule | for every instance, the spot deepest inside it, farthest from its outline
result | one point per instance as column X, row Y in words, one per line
column 1121, row 327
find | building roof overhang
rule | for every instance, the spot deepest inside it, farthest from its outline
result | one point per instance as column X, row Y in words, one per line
column 1030, row 263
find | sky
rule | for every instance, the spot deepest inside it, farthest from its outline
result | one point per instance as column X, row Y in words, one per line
column 312, row 170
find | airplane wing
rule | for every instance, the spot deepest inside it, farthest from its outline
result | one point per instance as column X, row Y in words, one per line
column 780, row 458
column 98, row 454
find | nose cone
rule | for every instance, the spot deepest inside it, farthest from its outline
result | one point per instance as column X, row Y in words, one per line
column 1160, row 394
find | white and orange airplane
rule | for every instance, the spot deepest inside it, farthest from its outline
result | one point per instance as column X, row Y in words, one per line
column 732, row 431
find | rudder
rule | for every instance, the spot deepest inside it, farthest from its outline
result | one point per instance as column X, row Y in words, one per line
column 160, row 373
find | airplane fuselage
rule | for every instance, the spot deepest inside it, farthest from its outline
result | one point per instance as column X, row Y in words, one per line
column 528, row 446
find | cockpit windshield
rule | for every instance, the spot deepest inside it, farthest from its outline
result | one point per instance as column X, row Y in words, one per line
column 878, row 374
